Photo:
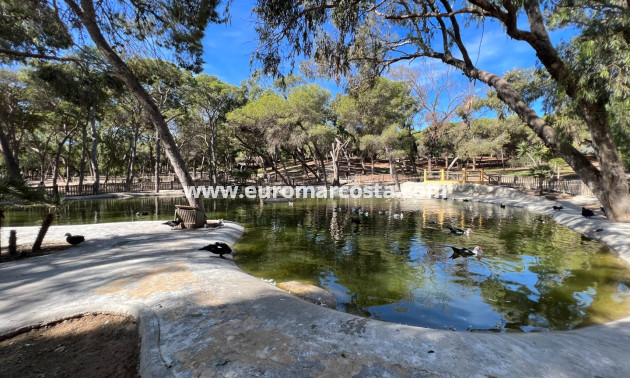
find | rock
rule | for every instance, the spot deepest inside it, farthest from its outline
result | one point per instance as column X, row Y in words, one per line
column 310, row 293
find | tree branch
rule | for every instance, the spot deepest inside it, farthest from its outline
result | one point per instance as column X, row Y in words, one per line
column 447, row 14
column 39, row 56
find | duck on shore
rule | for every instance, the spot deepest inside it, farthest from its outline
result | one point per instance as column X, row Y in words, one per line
column 74, row 239
column 172, row 223
column 586, row 213
column 217, row 248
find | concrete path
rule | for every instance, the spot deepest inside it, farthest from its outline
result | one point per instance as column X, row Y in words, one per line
column 202, row 316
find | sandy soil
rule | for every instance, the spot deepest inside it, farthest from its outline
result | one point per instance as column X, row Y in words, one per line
column 92, row 345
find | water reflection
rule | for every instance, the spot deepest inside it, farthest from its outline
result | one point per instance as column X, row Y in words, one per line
column 533, row 274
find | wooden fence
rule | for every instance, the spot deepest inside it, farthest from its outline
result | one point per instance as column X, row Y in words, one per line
column 574, row 187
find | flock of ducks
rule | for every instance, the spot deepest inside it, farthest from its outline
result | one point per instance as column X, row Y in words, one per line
column 220, row 248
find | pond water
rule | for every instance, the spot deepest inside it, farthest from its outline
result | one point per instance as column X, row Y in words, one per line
column 533, row 274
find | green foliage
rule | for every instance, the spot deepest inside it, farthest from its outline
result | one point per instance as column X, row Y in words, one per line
column 31, row 27
column 242, row 175
column 14, row 190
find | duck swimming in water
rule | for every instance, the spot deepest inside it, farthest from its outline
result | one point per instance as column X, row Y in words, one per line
column 459, row 231
column 465, row 252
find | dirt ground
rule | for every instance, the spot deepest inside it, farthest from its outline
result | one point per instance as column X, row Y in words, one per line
column 92, row 345
column 24, row 251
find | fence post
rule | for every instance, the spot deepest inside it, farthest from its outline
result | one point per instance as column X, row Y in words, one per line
column 442, row 175
column 463, row 175
column 481, row 174
column 425, row 175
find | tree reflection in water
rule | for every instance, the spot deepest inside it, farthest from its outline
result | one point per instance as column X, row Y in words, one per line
column 532, row 275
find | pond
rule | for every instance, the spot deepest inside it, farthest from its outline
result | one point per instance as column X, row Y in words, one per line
column 533, row 274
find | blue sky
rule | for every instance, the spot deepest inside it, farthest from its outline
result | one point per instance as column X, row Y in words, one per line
column 228, row 48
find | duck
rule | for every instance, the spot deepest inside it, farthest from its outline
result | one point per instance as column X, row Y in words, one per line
column 74, row 240
column 142, row 213
column 459, row 231
column 556, row 208
column 383, row 212
column 398, row 216
column 600, row 229
column 586, row 213
column 172, row 223
column 218, row 248
column 465, row 200
column 502, row 206
column 214, row 224
column 465, row 252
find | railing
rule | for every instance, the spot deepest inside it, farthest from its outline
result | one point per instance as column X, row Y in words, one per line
column 88, row 189
column 574, row 187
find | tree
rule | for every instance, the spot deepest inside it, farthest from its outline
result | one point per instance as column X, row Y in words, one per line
column 438, row 98
column 89, row 87
column 382, row 111
column 15, row 120
column 214, row 99
column 124, row 28
column 371, row 36
column 264, row 118
column 309, row 111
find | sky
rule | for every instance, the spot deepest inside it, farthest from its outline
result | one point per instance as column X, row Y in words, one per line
column 228, row 48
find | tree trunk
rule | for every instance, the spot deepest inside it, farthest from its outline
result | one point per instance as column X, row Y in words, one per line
column 322, row 162
column 56, row 167
column 335, row 167
column 414, row 154
column 83, row 156
column 68, row 161
column 302, row 159
column 48, row 219
column 13, row 168
column 133, row 147
column 452, row 163
column 284, row 167
column 337, row 147
column 213, row 155
column 93, row 153
column 157, row 163
column 87, row 15
column 392, row 170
